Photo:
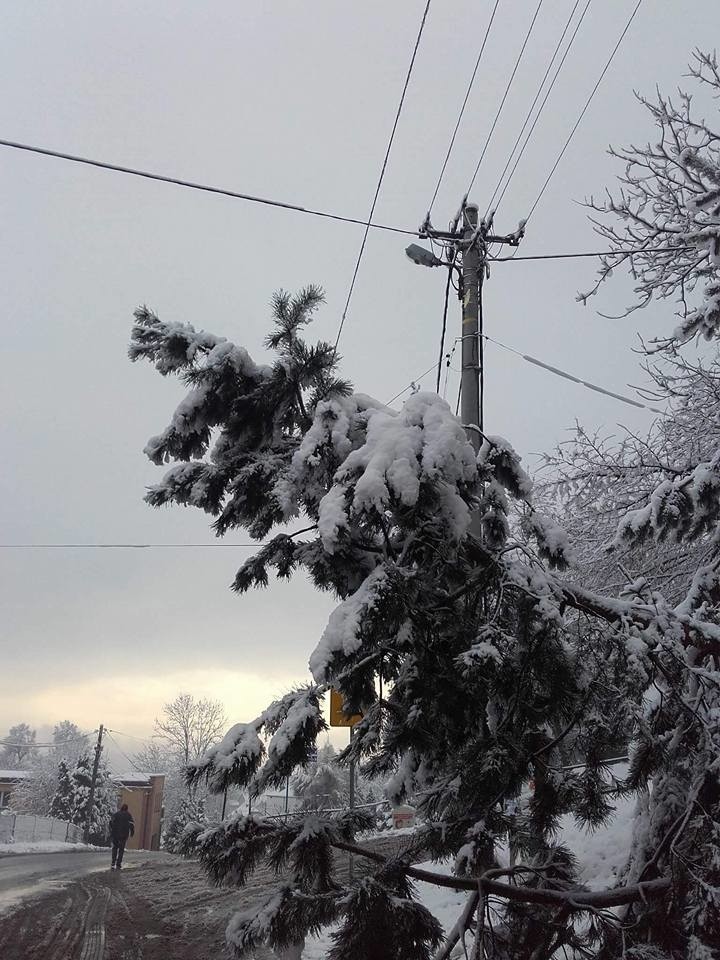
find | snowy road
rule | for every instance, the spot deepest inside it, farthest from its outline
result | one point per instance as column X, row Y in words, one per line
column 72, row 907
column 28, row 875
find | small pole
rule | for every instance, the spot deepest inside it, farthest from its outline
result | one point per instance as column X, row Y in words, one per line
column 287, row 797
column 91, row 797
column 351, row 859
column 222, row 815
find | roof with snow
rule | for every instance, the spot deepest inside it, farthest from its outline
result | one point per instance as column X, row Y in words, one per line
column 14, row 774
column 132, row 779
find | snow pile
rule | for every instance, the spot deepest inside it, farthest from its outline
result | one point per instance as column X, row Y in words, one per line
column 45, row 846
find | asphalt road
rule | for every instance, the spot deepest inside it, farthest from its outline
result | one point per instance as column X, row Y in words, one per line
column 30, row 874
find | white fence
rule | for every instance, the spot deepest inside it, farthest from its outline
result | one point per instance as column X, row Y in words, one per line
column 25, row 828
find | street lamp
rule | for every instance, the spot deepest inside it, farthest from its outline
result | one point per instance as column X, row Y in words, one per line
column 423, row 257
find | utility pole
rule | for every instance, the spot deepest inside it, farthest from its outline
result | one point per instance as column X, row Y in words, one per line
column 351, row 859
column 93, row 781
column 469, row 238
column 472, row 266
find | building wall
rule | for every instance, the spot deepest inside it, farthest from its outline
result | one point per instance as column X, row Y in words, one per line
column 6, row 788
column 8, row 782
column 136, row 799
column 145, row 803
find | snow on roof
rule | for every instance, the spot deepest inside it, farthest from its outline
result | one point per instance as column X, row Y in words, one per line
column 14, row 774
column 133, row 779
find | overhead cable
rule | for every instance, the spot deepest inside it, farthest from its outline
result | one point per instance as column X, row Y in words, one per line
column 133, row 764
column 584, row 109
column 382, row 174
column 505, row 95
column 119, row 546
column 411, row 385
column 36, row 746
column 462, row 108
column 569, row 376
column 595, row 253
column 116, row 168
column 130, row 736
column 532, row 105
column 444, row 328
column 542, row 105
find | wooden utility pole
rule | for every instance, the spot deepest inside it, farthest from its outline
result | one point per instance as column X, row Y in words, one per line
column 93, row 781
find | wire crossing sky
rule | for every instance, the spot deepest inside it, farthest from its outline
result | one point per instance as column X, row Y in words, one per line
column 283, row 103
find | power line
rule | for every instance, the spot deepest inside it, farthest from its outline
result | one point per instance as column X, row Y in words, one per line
column 133, row 765
column 116, row 168
column 545, row 366
column 505, row 95
column 411, row 384
column 382, row 174
column 584, row 109
column 596, row 253
column 121, row 546
column 462, row 108
column 569, row 376
column 33, row 746
column 130, row 736
column 544, row 101
column 532, row 105
column 444, row 327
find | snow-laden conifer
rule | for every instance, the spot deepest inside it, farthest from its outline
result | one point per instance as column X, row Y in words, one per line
column 61, row 806
column 488, row 682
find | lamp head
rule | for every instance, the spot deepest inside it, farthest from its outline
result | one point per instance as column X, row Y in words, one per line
column 423, row 257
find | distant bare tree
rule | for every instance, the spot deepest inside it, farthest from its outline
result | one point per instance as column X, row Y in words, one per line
column 154, row 757
column 189, row 726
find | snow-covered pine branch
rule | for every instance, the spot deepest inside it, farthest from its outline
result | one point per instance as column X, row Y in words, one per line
column 487, row 680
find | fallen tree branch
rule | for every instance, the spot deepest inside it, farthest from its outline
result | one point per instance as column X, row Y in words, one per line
column 463, row 921
column 575, row 898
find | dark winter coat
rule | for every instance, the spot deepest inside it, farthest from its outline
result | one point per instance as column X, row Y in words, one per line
column 122, row 825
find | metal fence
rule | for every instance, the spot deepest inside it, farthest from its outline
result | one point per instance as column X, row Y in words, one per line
column 26, row 828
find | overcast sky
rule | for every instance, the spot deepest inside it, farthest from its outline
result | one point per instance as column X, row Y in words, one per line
column 292, row 100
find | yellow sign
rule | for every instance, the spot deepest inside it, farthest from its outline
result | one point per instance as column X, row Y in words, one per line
column 338, row 717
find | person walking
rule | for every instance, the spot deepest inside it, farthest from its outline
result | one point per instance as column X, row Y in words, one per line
column 122, row 826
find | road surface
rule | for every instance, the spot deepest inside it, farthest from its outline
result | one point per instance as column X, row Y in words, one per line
column 72, row 907
column 31, row 874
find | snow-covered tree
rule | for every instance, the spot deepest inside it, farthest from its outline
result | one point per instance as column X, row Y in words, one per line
column 103, row 799
column 661, row 496
column 324, row 783
column 191, row 811
column 34, row 793
column 665, row 223
column 488, row 680
column 18, row 747
column 61, row 805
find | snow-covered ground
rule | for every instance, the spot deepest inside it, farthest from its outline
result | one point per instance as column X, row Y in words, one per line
column 601, row 854
column 44, row 846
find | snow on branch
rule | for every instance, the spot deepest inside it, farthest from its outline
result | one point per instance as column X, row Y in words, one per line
column 232, row 761
column 665, row 224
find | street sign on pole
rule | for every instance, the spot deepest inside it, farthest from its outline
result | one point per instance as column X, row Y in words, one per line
column 338, row 716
